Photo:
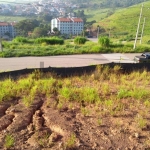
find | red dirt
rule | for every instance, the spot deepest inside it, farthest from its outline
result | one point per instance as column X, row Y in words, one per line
column 45, row 127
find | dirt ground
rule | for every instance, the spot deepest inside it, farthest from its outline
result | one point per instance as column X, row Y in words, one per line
column 42, row 126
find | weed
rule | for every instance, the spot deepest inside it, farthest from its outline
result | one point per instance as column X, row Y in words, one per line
column 27, row 100
column 85, row 111
column 140, row 93
column 71, row 141
column 99, row 121
column 147, row 103
column 60, row 105
column 141, row 122
column 108, row 104
column 105, row 89
column 123, row 93
column 9, row 141
column 65, row 93
column 42, row 138
column 89, row 95
column 116, row 69
column 36, row 75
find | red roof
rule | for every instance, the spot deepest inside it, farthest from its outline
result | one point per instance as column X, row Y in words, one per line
column 64, row 19
column 6, row 23
column 76, row 19
column 3, row 24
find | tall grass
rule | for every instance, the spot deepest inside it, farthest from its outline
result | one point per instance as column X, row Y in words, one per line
column 80, row 40
column 56, row 46
column 108, row 89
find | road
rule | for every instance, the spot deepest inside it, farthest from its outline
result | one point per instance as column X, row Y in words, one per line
column 17, row 63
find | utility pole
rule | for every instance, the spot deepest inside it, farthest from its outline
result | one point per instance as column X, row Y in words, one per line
column 97, row 31
column 1, row 46
column 138, row 28
column 109, row 32
column 142, row 31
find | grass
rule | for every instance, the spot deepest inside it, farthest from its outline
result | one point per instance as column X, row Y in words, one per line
column 13, row 18
column 124, row 22
column 9, row 141
column 141, row 122
column 70, row 143
column 106, row 93
column 19, row 49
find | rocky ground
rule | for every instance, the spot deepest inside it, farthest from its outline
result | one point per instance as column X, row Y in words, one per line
column 43, row 126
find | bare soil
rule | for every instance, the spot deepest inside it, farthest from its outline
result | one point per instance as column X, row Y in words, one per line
column 43, row 126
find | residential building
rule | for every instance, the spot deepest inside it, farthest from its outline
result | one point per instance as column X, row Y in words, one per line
column 68, row 26
column 7, row 29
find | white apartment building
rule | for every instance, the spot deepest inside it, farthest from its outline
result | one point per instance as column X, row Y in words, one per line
column 7, row 29
column 68, row 26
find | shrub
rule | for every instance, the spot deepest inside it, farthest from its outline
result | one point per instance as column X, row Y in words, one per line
column 9, row 141
column 96, row 48
column 51, row 41
column 20, row 39
column 80, row 40
column 104, row 41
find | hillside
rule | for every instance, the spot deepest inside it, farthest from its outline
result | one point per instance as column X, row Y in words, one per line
column 105, row 110
column 106, row 3
column 125, row 21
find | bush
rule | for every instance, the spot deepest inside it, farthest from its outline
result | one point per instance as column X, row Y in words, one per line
column 20, row 39
column 104, row 41
column 80, row 40
column 51, row 41
column 96, row 49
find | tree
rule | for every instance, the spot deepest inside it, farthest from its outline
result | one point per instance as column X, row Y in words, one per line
column 45, row 17
column 104, row 41
column 56, row 31
column 24, row 26
column 38, row 32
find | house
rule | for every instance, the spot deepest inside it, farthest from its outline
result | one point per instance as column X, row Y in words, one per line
column 71, row 25
column 7, row 30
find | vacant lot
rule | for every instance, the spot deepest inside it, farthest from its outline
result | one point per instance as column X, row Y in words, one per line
column 105, row 110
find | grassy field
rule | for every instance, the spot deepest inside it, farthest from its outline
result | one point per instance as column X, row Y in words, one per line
column 31, row 48
column 14, row 18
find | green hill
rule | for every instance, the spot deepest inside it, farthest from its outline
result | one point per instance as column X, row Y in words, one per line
column 106, row 3
column 125, row 21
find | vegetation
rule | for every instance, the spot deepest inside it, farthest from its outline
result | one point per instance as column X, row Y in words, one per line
column 50, row 41
column 105, row 3
column 80, row 40
column 32, row 28
column 9, row 141
column 104, row 41
column 50, row 46
column 107, row 89
column 107, row 94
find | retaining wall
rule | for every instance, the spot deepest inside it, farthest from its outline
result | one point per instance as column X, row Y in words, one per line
column 126, row 67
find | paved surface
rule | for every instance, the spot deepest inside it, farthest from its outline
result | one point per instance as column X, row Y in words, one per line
column 8, row 64
column 93, row 39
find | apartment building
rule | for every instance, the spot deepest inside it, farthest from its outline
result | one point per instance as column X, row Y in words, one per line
column 68, row 26
column 7, row 29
